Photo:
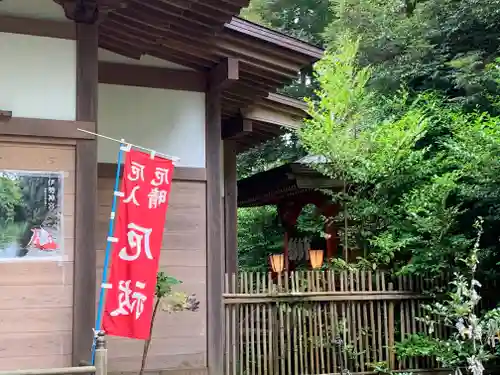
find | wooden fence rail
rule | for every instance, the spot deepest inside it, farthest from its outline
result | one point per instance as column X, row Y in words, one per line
column 100, row 368
column 53, row 371
column 319, row 322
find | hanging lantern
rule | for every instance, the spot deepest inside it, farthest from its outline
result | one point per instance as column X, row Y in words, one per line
column 277, row 262
column 316, row 258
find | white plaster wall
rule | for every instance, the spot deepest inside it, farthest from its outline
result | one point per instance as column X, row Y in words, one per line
column 168, row 121
column 38, row 76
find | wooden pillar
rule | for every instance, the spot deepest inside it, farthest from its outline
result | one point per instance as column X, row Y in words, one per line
column 330, row 210
column 331, row 241
column 84, row 279
column 219, row 78
column 286, row 254
column 215, row 244
column 231, row 206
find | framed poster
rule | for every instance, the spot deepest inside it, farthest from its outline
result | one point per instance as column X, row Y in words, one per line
column 31, row 215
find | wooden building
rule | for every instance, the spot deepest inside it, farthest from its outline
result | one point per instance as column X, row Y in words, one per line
column 184, row 77
column 291, row 187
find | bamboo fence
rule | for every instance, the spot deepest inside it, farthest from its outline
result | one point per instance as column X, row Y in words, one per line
column 321, row 322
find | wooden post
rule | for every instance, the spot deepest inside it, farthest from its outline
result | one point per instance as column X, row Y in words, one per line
column 230, row 207
column 220, row 77
column 101, row 355
column 84, row 275
column 391, row 325
column 285, row 251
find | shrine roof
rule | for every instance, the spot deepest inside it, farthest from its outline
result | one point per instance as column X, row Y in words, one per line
column 198, row 34
column 192, row 35
column 286, row 181
column 271, row 117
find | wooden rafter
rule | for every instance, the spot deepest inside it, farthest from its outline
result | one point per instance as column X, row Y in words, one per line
column 224, row 75
column 236, row 128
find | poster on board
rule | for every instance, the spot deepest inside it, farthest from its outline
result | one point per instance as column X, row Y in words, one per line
column 31, row 215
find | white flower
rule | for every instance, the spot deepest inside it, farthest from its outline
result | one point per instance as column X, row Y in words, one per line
column 476, row 283
column 461, row 327
column 475, row 366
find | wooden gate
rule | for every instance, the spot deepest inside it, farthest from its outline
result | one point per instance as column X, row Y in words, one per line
column 319, row 322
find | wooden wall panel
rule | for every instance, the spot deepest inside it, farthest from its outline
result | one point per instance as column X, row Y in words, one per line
column 36, row 296
column 179, row 340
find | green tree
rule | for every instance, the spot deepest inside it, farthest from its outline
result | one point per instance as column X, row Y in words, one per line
column 10, row 199
column 259, row 236
column 302, row 19
column 278, row 151
column 472, row 340
column 10, row 205
column 443, row 46
column 416, row 172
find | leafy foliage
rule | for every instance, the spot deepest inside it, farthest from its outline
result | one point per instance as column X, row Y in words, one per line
column 260, row 235
column 10, row 199
column 444, row 46
column 302, row 19
column 412, row 167
column 169, row 301
column 421, row 162
column 272, row 154
column 406, row 113
column 472, row 343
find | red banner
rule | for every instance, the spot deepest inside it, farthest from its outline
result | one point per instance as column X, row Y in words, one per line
column 140, row 220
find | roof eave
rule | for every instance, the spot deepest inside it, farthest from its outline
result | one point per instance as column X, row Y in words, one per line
column 274, row 37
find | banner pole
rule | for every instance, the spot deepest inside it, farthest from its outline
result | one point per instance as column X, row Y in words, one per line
column 104, row 286
column 175, row 159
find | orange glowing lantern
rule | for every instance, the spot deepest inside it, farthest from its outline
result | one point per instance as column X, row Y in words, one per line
column 316, row 258
column 277, row 262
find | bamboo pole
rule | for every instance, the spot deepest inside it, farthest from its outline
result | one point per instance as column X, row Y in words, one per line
column 390, row 318
column 101, row 355
column 53, row 371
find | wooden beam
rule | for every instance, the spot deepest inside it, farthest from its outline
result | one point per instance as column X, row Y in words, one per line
column 84, row 281
column 215, row 242
column 108, row 170
column 236, row 128
column 148, row 76
column 34, row 127
column 37, row 27
column 265, row 58
column 224, row 74
column 271, row 116
column 288, row 101
column 230, row 207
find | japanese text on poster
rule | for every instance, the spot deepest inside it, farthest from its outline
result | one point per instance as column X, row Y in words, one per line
column 140, row 221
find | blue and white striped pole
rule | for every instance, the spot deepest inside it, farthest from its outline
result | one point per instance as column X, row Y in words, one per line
column 109, row 240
